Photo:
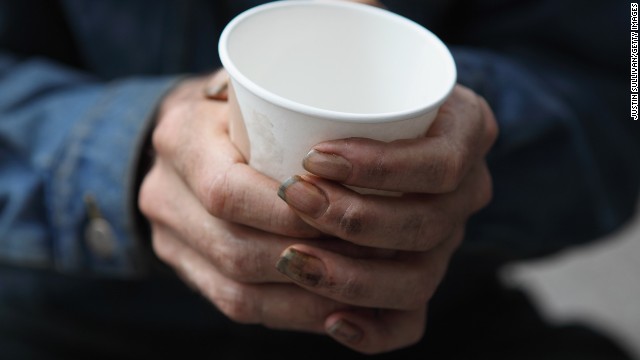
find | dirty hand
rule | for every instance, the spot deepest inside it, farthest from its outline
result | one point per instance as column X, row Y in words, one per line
column 221, row 226
column 444, row 179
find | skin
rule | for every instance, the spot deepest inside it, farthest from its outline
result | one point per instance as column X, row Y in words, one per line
column 310, row 254
column 223, row 228
column 369, row 2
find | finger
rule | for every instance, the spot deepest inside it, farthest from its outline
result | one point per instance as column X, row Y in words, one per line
column 412, row 222
column 406, row 282
column 239, row 252
column 273, row 305
column 217, row 88
column 194, row 140
column 373, row 332
column 436, row 163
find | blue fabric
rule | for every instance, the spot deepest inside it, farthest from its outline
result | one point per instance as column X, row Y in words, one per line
column 65, row 135
column 79, row 81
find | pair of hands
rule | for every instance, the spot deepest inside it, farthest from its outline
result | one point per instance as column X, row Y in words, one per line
column 360, row 268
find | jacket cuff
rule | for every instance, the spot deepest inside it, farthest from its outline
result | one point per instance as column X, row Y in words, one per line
column 102, row 171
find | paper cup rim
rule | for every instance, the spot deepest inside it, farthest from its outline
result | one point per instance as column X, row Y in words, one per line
column 236, row 75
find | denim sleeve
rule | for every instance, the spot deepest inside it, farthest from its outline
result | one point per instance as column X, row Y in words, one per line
column 65, row 136
column 565, row 166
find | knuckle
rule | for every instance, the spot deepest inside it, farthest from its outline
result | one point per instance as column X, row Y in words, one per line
column 216, row 194
column 145, row 199
column 421, row 286
column 149, row 198
column 371, row 163
column 162, row 249
column 238, row 311
column 444, row 172
column 415, row 336
column 443, row 232
column 219, row 197
column 236, row 265
column 353, row 220
column 418, row 230
column 158, row 139
column 238, row 306
column 491, row 128
column 424, row 293
column 456, row 240
column 439, row 228
column 433, row 173
column 419, row 289
column 163, row 135
column 490, row 124
column 453, row 171
column 485, row 193
column 379, row 170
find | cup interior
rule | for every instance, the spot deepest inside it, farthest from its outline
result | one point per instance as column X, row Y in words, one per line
column 337, row 57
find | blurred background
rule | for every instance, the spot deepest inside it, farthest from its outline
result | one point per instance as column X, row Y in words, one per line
column 597, row 284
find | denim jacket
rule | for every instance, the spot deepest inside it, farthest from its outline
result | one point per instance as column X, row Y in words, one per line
column 79, row 82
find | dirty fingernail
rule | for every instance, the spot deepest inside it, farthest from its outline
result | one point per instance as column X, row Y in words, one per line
column 328, row 166
column 345, row 331
column 303, row 196
column 301, row 267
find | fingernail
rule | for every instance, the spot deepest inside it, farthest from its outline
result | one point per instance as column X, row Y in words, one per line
column 301, row 267
column 345, row 331
column 329, row 166
column 217, row 91
column 303, row 196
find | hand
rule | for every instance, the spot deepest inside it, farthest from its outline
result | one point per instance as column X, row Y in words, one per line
column 444, row 178
column 200, row 197
column 221, row 226
column 198, row 180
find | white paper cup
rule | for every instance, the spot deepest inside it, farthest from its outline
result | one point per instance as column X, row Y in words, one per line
column 303, row 72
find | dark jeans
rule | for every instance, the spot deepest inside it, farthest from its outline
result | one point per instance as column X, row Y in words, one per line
column 50, row 316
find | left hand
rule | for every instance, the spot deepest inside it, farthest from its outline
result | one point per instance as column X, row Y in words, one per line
column 444, row 179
